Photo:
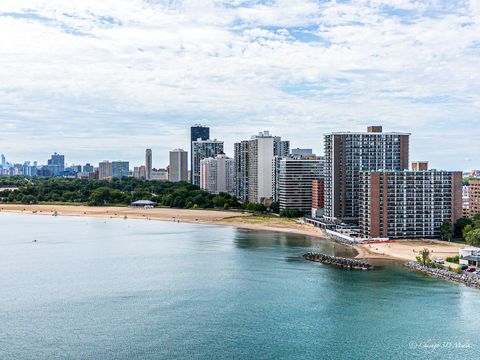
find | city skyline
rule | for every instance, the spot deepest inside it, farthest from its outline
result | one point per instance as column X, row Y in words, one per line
column 95, row 77
column 161, row 160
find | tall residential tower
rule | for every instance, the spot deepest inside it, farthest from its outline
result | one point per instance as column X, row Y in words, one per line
column 178, row 168
column 197, row 132
column 349, row 153
column 148, row 164
column 203, row 149
column 254, row 162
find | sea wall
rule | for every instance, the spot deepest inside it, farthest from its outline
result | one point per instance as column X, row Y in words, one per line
column 467, row 279
column 338, row 261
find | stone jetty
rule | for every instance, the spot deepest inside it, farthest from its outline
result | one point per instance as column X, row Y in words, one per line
column 350, row 264
column 471, row 280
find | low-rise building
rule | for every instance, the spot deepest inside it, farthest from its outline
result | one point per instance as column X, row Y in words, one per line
column 469, row 256
column 159, row 174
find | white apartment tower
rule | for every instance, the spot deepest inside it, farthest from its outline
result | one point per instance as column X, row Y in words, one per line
column 216, row 174
column 253, row 166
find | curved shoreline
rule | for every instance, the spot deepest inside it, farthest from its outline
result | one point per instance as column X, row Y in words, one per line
column 401, row 250
column 207, row 217
column 444, row 274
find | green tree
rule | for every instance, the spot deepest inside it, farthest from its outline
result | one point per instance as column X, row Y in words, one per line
column 424, row 256
column 292, row 213
column 460, row 225
column 446, row 231
column 275, row 207
column 473, row 237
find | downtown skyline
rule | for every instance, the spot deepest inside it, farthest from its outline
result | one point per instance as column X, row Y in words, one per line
column 161, row 159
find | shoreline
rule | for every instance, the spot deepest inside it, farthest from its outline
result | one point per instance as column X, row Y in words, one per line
column 401, row 250
column 237, row 220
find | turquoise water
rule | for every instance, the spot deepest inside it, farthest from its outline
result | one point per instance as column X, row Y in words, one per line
column 132, row 289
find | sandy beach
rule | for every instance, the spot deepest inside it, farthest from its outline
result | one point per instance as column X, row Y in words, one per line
column 409, row 249
column 400, row 250
column 212, row 217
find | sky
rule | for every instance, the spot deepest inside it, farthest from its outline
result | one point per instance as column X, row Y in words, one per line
column 107, row 79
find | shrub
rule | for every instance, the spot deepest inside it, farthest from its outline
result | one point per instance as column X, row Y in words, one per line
column 453, row 259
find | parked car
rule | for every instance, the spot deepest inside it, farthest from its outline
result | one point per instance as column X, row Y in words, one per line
column 439, row 261
column 470, row 270
column 477, row 272
column 463, row 267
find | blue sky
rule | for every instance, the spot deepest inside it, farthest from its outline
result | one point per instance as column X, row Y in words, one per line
column 106, row 79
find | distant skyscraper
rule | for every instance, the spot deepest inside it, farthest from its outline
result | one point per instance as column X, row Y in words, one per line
column 87, row 168
column 140, row 172
column 56, row 164
column 197, row 132
column 120, row 169
column 104, row 170
column 348, row 153
column 148, row 164
column 177, row 170
column 281, row 148
column 203, row 149
column 4, row 162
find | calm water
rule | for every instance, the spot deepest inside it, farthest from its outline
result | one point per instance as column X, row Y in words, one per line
column 103, row 289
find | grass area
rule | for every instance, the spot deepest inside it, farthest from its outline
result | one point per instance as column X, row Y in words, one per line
column 261, row 219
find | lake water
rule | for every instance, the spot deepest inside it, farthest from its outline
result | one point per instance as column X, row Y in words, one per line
column 133, row 289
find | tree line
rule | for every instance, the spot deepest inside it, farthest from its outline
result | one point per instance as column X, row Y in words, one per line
column 111, row 192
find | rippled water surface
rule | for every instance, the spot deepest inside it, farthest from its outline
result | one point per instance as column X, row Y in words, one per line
column 102, row 289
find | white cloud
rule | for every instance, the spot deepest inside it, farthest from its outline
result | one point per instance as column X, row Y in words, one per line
column 100, row 75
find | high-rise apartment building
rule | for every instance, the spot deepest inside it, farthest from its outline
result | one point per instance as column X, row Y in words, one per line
column 217, row 174
column 241, row 169
column 349, row 153
column 197, row 132
column 295, row 183
column 408, row 204
column 120, row 169
column 254, row 166
column 281, row 147
column 178, row 167
column 56, row 164
column 203, row 149
column 474, row 198
column 148, row 164
column 104, row 170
